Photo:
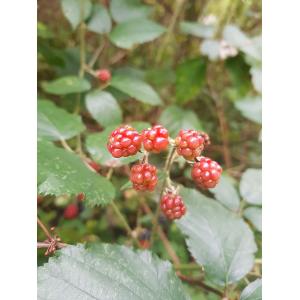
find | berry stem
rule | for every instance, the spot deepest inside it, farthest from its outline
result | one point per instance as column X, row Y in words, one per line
column 44, row 228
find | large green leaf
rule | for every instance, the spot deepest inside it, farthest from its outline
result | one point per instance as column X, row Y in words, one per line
column 197, row 29
column 253, row 214
column 226, row 193
column 136, row 88
column 175, row 118
column 252, row 291
column 103, row 107
column 66, row 85
column 61, row 172
column 108, row 272
column 71, row 10
column 250, row 186
column 126, row 35
column 250, row 108
column 125, row 10
column 100, row 21
column 190, row 78
column 55, row 123
column 217, row 238
column 96, row 145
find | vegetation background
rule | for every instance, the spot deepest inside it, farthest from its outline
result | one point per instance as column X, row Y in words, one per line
column 183, row 64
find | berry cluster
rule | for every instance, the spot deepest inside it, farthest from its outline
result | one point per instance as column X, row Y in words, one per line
column 143, row 177
column 172, row 206
column 103, row 75
column 155, row 139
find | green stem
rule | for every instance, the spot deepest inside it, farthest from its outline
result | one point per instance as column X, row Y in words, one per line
column 188, row 267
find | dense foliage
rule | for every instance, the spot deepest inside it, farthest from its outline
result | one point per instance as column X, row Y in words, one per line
column 191, row 65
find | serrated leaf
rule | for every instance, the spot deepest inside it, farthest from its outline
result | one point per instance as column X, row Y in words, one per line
column 125, row 10
column 197, row 29
column 71, row 10
column 253, row 214
column 100, row 21
column 96, row 145
column 190, row 78
column 66, row 85
column 250, row 186
column 103, row 107
column 175, row 118
column 226, row 193
column 127, row 34
column 250, row 108
column 252, row 291
column 136, row 88
column 217, row 238
column 61, row 172
column 108, row 272
column 55, row 123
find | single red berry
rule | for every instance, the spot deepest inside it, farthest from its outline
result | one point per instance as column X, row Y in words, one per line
column 206, row 172
column 143, row 177
column 94, row 165
column 190, row 143
column 144, row 244
column 155, row 139
column 80, row 197
column 71, row 211
column 124, row 141
column 103, row 75
column 172, row 206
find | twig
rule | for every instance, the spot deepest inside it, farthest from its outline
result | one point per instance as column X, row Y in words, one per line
column 59, row 245
column 66, row 145
column 44, row 228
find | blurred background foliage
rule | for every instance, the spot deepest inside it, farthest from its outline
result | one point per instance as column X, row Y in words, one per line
column 184, row 64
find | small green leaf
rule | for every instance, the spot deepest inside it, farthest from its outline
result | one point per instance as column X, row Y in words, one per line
column 197, row 29
column 252, row 291
column 108, row 272
column 63, row 173
column 103, row 107
column 125, row 10
column 250, row 186
column 253, row 214
column 55, row 123
column 71, row 10
column 226, row 193
column 175, row 118
column 100, row 21
column 136, row 88
column 250, row 108
column 66, row 85
column 190, row 78
column 217, row 238
column 126, row 35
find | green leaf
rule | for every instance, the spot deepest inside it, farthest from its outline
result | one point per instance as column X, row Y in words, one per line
column 190, row 78
column 55, row 123
column 175, row 118
column 253, row 214
column 108, row 272
column 71, row 10
column 197, row 29
column 66, row 85
column 125, row 10
column 226, row 193
column 96, row 145
column 126, row 35
column 211, row 48
column 103, row 107
column 61, row 172
column 136, row 88
column 256, row 79
column 250, row 108
column 100, row 21
column 252, row 291
column 250, row 186
column 217, row 238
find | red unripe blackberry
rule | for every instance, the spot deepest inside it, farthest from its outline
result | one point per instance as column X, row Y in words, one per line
column 206, row 172
column 124, row 141
column 172, row 206
column 80, row 197
column 190, row 143
column 94, row 165
column 71, row 211
column 143, row 177
column 155, row 139
column 103, row 75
